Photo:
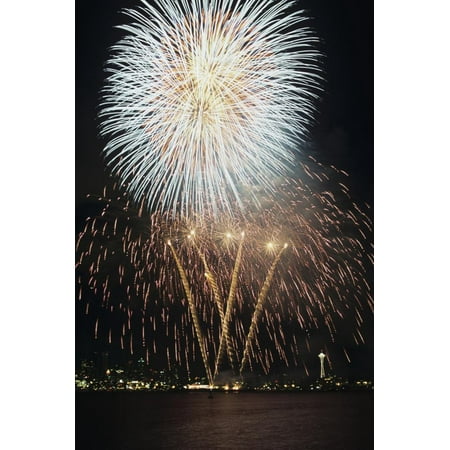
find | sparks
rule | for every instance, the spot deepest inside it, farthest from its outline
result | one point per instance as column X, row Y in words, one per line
column 228, row 295
column 204, row 99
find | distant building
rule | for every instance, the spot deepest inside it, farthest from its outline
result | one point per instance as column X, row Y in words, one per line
column 322, row 357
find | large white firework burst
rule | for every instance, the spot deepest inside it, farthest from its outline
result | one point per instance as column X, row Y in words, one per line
column 204, row 98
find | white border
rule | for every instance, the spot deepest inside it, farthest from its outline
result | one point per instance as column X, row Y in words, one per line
column 37, row 225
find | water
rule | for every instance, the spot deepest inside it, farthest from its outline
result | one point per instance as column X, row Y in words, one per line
column 305, row 421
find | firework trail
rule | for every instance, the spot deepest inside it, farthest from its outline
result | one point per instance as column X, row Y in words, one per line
column 206, row 98
column 224, row 319
column 131, row 293
column 193, row 309
column 259, row 309
column 225, row 336
column 211, row 279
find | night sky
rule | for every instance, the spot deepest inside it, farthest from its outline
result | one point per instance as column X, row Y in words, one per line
column 342, row 134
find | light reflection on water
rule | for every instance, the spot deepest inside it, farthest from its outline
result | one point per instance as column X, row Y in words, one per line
column 306, row 421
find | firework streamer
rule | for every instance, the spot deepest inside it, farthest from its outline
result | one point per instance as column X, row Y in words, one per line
column 211, row 280
column 231, row 352
column 225, row 340
column 193, row 309
column 259, row 309
column 204, row 99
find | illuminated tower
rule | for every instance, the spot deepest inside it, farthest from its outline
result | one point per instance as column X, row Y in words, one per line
column 322, row 368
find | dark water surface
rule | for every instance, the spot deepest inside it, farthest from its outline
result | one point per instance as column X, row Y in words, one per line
column 305, row 421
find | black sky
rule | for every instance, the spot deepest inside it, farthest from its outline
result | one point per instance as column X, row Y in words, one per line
column 342, row 135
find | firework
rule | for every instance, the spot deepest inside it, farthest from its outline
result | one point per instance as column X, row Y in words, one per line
column 204, row 99
column 259, row 308
column 193, row 310
column 252, row 287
